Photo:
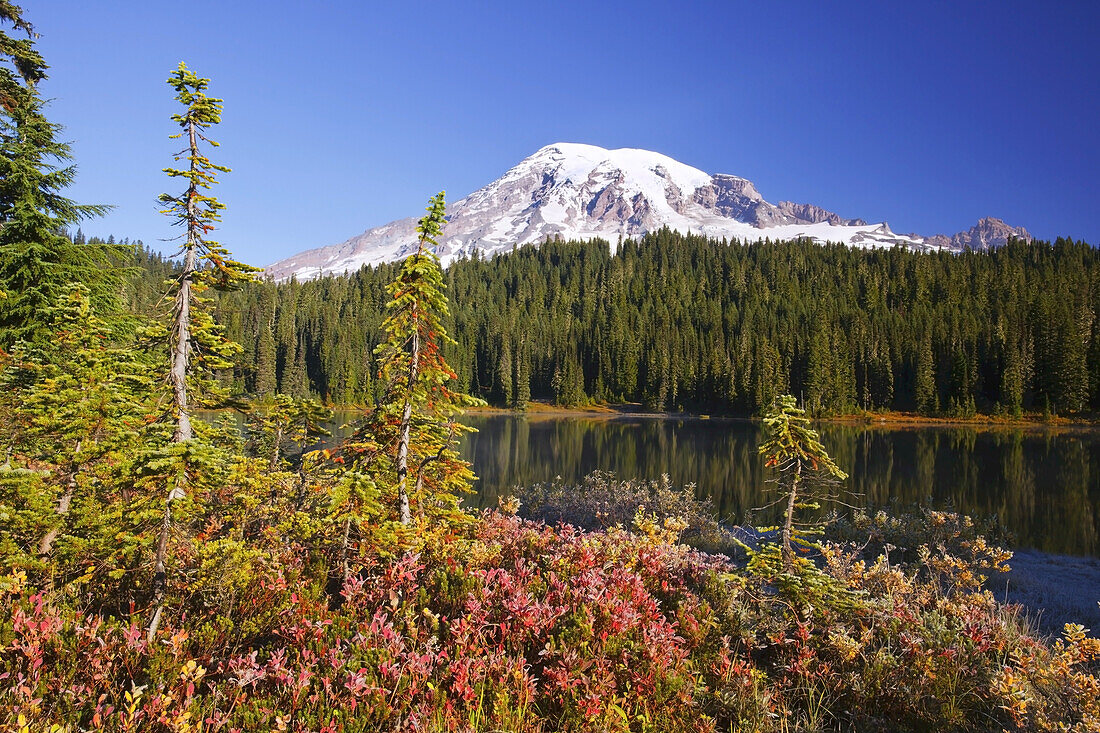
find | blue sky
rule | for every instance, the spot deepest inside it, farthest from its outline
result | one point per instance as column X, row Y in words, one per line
column 344, row 115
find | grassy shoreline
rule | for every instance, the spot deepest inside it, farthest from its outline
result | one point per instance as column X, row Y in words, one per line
column 893, row 419
column 890, row 419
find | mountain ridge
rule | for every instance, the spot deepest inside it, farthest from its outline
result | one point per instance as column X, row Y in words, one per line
column 579, row 191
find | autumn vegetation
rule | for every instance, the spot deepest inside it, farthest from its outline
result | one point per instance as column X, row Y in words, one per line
column 164, row 573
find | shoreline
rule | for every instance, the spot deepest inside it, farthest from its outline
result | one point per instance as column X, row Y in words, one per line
column 895, row 420
column 1051, row 589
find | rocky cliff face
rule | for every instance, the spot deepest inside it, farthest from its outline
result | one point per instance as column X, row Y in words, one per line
column 986, row 234
column 816, row 214
column 585, row 192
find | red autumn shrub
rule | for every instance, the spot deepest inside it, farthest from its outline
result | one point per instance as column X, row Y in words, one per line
column 513, row 625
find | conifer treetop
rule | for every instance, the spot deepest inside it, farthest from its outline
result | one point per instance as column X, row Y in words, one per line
column 196, row 211
column 790, row 437
column 20, row 52
column 430, row 226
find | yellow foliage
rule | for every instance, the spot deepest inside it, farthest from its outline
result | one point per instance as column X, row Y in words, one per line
column 650, row 526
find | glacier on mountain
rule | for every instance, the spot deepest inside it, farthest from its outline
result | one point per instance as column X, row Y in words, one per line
column 578, row 191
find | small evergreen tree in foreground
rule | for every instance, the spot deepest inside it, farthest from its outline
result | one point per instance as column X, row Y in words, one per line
column 80, row 401
column 795, row 451
column 71, row 409
column 405, row 453
column 287, row 420
column 420, row 410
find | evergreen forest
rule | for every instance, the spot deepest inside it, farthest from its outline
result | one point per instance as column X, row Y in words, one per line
column 681, row 322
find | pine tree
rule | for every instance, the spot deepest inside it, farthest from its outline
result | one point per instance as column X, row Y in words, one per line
column 767, row 376
column 405, row 452
column 794, row 449
column 265, row 382
column 412, row 366
column 521, row 394
column 295, row 381
column 196, row 344
column 821, row 373
column 1094, row 363
column 882, row 379
column 37, row 259
column 505, row 374
column 205, row 262
column 289, row 420
column 924, row 389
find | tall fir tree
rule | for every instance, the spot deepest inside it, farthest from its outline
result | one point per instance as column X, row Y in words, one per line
column 206, row 263
column 405, row 454
column 421, row 408
column 37, row 258
column 924, row 388
column 196, row 344
column 265, row 382
column 521, row 394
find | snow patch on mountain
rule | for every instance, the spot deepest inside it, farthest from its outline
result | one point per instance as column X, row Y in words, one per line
column 586, row 192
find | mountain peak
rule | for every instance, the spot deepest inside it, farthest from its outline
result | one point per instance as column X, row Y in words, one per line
column 582, row 154
column 988, row 233
column 580, row 191
column 579, row 163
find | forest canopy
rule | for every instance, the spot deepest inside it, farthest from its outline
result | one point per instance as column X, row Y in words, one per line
column 679, row 321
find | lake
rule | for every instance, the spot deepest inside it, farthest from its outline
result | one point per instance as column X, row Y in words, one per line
column 1042, row 484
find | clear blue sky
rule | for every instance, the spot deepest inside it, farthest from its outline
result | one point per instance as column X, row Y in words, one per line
column 344, row 115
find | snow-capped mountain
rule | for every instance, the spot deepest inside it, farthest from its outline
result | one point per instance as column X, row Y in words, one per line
column 583, row 192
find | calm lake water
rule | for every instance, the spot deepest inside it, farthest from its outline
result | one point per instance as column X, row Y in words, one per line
column 1043, row 484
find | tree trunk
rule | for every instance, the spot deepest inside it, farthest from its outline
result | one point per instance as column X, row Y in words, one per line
column 788, row 519
column 300, row 495
column 182, row 349
column 178, row 378
column 46, row 543
column 160, row 573
column 278, row 438
column 404, row 511
column 63, row 504
column 344, row 552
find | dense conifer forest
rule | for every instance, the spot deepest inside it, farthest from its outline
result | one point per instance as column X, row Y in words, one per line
column 683, row 322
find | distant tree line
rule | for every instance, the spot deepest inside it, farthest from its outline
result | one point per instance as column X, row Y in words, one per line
column 684, row 322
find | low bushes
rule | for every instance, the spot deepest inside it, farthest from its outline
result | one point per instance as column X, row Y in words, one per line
column 601, row 500
column 509, row 624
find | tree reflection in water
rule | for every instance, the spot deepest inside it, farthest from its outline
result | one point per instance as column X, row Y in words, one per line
column 1043, row 484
